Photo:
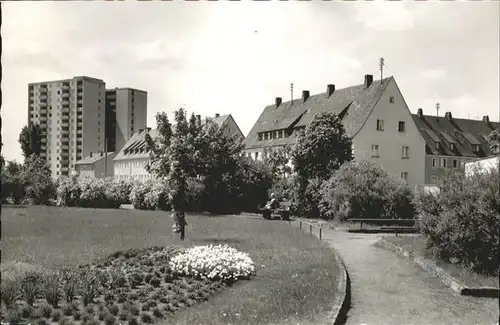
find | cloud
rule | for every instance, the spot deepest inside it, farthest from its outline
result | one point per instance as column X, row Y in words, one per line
column 221, row 57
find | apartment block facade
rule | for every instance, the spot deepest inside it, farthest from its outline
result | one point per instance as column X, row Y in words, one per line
column 71, row 113
column 126, row 112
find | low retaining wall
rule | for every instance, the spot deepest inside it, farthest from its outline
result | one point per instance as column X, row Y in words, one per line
column 438, row 272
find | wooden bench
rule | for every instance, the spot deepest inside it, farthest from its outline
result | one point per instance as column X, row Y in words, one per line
column 283, row 212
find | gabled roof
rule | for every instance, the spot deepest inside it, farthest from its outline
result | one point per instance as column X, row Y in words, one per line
column 135, row 148
column 95, row 158
column 357, row 101
column 463, row 133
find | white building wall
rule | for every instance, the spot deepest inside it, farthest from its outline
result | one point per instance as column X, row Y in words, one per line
column 131, row 169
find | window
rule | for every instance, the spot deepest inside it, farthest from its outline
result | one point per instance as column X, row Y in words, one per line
column 443, row 162
column 452, row 146
column 380, row 125
column 260, row 136
column 391, row 99
column 476, row 147
column 256, row 155
column 405, row 152
column 374, row 150
column 434, row 162
column 434, row 179
column 455, row 163
column 401, row 126
column 404, row 176
column 265, row 136
column 437, row 146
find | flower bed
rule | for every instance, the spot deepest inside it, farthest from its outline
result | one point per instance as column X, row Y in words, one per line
column 137, row 286
column 221, row 263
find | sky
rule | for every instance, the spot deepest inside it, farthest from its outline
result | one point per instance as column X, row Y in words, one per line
column 236, row 57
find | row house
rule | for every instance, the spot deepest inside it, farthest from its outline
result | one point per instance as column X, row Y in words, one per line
column 451, row 143
column 130, row 163
column 374, row 114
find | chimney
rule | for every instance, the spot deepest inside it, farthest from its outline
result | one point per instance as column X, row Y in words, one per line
column 330, row 89
column 217, row 115
column 368, row 80
column 278, row 101
column 198, row 119
column 420, row 113
column 148, row 129
column 102, row 153
column 486, row 119
column 91, row 155
column 305, row 95
column 448, row 116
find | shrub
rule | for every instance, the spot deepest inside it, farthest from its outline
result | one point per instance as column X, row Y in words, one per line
column 113, row 309
column 157, row 313
column 88, row 286
column 56, row 315
column 51, row 288
column 462, row 221
column 362, row 189
column 69, row 280
column 40, row 187
column 150, row 195
column 68, row 192
column 306, row 196
column 10, row 290
column 133, row 321
column 46, row 310
column 27, row 311
column 146, row 318
column 30, row 286
column 13, row 316
column 213, row 262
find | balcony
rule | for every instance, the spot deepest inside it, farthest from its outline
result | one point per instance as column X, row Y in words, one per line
column 79, row 101
column 65, row 110
column 65, row 86
column 64, row 169
column 64, row 161
column 43, row 97
column 65, row 131
column 43, row 111
column 65, row 102
column 43, row 140
column 43, row 104
column 65, row 95
column 43, row 118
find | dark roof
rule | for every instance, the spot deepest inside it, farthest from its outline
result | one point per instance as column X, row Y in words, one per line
column 136, row 145
column 463, row 133
column 95, row 158
column 357, row 101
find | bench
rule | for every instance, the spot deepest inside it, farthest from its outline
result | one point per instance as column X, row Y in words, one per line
column 283, row 212
column 410, row 223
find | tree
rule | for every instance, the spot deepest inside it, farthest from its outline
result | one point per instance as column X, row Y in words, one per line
column 172, row 161
column 494, row 141
column 37, row 178
column 278, row 161
column 12, row 182
column 320, row 151
column 30, row 139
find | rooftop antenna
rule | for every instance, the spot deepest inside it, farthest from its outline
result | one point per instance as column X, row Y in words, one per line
column 437, row 109
column 291, row 91
column 381, row 65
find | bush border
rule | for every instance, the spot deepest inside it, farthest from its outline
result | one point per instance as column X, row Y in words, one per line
column 431, row 267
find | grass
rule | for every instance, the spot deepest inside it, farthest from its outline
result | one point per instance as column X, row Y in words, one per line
column 296, row 274
column 417, row 246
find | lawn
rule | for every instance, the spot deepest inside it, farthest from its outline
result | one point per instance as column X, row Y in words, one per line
column 296, row 274
column 417, row 246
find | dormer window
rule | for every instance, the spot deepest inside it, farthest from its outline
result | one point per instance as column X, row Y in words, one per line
column 476, row 148
column 260, row 136
column 437, row 145
column 266, row 135
column 452, row 146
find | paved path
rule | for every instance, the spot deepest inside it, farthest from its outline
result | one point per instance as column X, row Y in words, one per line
column 387, row 290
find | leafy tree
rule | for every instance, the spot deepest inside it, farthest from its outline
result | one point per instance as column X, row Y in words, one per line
column 494, row 141
column 12, row 182
column 279, row 161
column 256, row 181
column 37, row 177
column 219, row 161
column 320, row 151
column 30, row 139
column 172, row 160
